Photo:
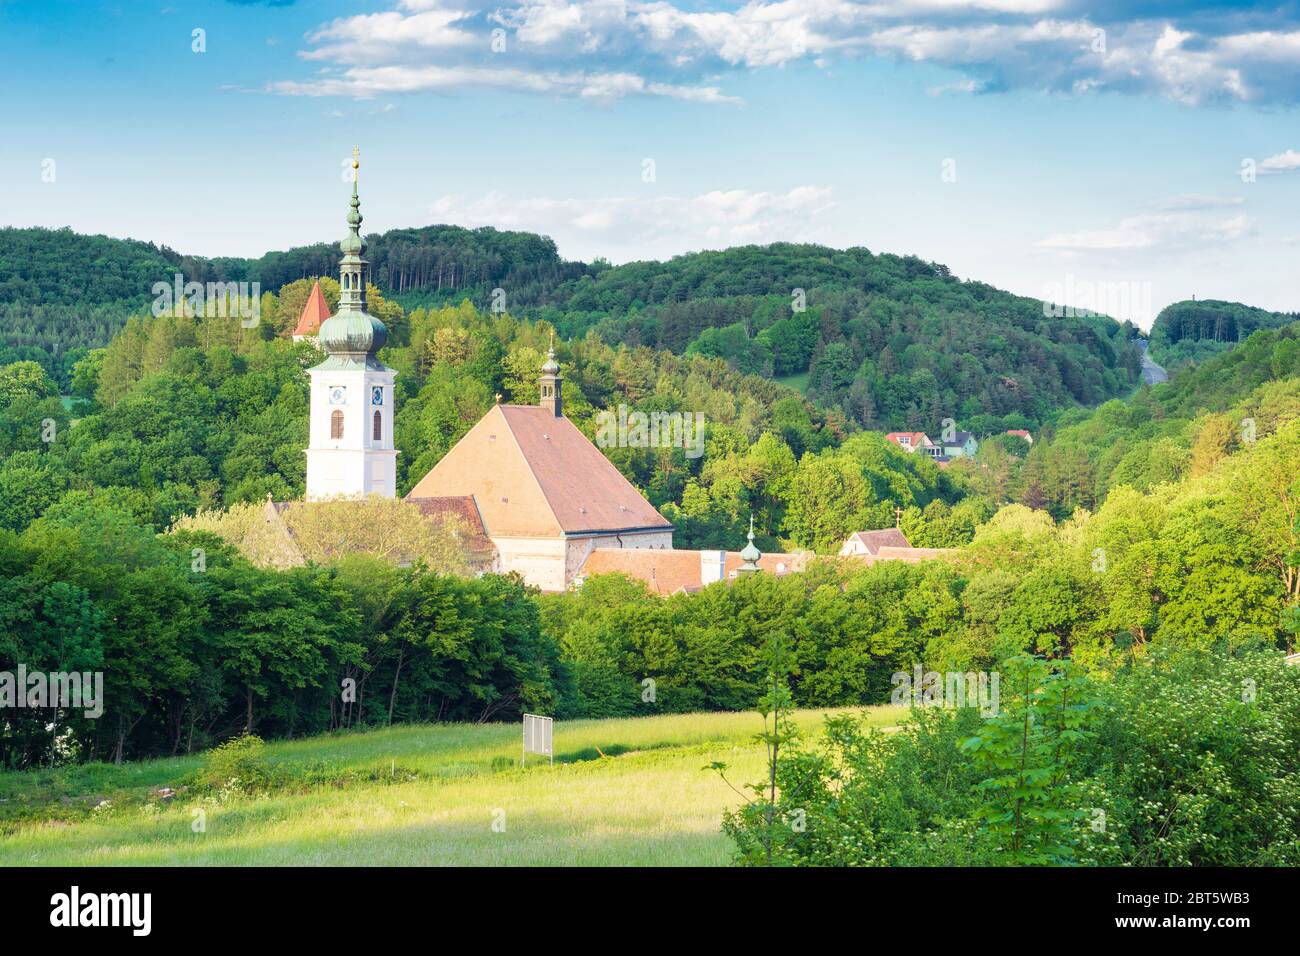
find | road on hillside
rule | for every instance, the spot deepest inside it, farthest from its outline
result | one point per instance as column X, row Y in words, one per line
column 1151, row 372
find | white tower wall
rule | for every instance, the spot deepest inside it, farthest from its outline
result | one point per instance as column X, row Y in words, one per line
column 357, row 463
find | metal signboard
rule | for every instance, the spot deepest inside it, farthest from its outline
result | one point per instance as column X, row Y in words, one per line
column 538, row 736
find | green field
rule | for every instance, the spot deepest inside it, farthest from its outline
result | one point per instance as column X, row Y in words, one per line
column 413, row 795
column 797, row 381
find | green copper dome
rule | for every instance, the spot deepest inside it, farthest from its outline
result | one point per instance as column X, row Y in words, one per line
column 750, row 554
column 357, row 333
column 551, row 367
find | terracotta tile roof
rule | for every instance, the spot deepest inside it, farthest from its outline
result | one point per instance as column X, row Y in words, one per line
column 313, row 313
column 886, row 537
column 916, row 439
column 775, row 563
column 461, row 508
column 583, row 489
column 667, row 572
column 663, row 571
column 910, row 555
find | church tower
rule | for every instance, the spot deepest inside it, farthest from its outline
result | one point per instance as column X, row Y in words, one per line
column 350, row 451
column 550, row 383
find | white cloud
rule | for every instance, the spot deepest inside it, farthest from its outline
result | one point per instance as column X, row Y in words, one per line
column 366, row 82
column 670, row 45
column 629, row 227
column 1196, row 201
column 1281, row 163
column 1155, row 232
column 363, row 38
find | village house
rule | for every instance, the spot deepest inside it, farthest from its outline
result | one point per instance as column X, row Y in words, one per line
column 914, row 441
column 888, row 544
column 961, row 445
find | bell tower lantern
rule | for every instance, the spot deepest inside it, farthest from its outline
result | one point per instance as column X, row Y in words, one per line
column 551, row 382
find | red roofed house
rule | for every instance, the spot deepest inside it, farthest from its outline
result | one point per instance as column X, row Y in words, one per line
column 548, row 498
column 911, row 441
column 313, row 314
column 1021, row 433
column 888, row 544
column 870, row 542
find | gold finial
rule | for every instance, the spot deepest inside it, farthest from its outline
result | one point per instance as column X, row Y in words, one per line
column 356, row 158
column 498, row 398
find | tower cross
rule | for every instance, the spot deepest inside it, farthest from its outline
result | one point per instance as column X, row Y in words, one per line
column 898, row 517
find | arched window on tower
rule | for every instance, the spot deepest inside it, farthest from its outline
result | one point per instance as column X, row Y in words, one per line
column 336, row 425
column 379, row 426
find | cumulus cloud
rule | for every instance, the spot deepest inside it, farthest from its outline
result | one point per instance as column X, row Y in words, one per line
column 1281, row 163
column 674, row 48
column 631, row 223
column 1183, row 224
column 1196, row 201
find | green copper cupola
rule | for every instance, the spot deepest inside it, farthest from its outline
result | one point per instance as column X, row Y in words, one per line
column 352, row 336
column 750, row 555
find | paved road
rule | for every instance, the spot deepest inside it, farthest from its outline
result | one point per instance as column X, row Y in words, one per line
column 1151, row 372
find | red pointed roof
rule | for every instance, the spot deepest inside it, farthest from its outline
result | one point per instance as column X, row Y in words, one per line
column 313, row 313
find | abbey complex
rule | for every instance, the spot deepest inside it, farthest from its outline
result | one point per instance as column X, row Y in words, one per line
column 524, row 479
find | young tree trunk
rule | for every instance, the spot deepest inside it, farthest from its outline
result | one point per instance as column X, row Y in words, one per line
column 392, row 697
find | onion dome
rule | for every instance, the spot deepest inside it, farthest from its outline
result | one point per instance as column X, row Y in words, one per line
column 355, row 333
column 750, row 554
column 551, row 367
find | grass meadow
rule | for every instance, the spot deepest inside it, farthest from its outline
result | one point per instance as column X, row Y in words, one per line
column 622, row 792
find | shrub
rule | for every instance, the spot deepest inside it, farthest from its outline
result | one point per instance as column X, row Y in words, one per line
column 239, row 764
column 1181, row 758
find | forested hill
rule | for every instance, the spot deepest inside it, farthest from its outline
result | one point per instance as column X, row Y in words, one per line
column 1173, row 431
column 1193, row 331
column 891, row 341
column 55, row 284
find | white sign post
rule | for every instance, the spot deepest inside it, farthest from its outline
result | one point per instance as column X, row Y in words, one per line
column 538, row 737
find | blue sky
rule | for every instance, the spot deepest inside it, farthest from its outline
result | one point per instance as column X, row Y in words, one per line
column 1045, row 146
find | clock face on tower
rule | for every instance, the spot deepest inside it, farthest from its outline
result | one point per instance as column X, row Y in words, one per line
column 338, row 395
column 376, row 396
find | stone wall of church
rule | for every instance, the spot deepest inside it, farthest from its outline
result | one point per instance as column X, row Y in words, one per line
column 551, row 563
column 539, row 560
column 578, row 549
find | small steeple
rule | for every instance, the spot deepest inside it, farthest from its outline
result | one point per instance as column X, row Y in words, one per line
column 352, row 267
column 314, row 314
column 750, row 555
column 551, row 383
